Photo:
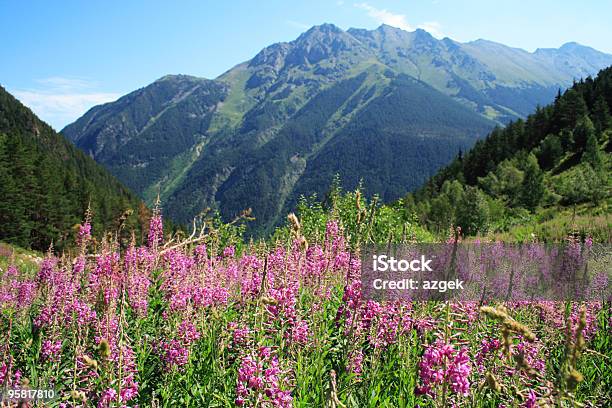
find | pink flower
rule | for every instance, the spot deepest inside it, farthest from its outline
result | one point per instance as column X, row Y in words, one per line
column 156, row 230
column 51, row 350
column 84, row 234
column 259, row 377
column 229, row 251
column 530, row 401
column 107, row 398
column 442, row 363
column 300, row 332
column 355, row 364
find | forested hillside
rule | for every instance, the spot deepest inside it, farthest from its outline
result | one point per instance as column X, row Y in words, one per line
column 557, row 159
column 47, row 184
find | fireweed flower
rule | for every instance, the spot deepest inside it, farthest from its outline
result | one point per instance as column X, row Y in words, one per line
column 5, row 377
column 441, row 364
column 138, row 263
column 229, row 251
column 84, row 234
column 201, row 256
column 487, row 348
column 175, row 352
column 283, row 305
column 299, row 286
column 129, row 387
column 530, row 400
column 47, row 270
column 80, row 312
column 300, row 333
column 108, row 397
column 355, row 362
column 51, row 350
column 79, row 266
column 259, row 380
column 240, row 334
column 156, row 230
column 386, row 328
column 16, row 292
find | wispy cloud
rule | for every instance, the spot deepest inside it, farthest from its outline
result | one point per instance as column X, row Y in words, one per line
column 59, row 100
column 298, row 24
column 384, row 16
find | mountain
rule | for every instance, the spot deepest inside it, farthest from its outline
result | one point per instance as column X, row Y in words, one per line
column 385, row 106
column 47, row 184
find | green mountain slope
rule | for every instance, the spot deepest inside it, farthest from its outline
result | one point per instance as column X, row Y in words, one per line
column 329, row 102
column 47, row 184
column 553, row 169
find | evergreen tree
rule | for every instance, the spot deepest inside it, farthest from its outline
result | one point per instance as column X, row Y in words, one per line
column 550, row 151
column 570, row 107
column 567, row 139
column 21, row 168
column 583, row 130
column 10, row 213
column 601, row 115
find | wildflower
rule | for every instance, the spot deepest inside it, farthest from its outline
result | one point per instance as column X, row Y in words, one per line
column 51, row 350
column 84, row 234
column 156, row 230
column 442, row 363
column 107, row 398
column 259, row 378
column 530, row 401
column 300, row 332
column 240, row 334
column 355, row 364
column 229, row 251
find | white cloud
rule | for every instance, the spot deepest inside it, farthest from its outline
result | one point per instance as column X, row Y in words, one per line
column 60, row 101
column 384, row 16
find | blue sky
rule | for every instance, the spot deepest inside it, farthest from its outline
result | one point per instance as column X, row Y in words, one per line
column 62, row 57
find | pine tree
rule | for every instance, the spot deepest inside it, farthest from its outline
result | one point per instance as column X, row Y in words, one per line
column 569, row 109
column 21, row 168
column 10, row 214
column 550, row 151
column 601, row 115
column 583, row 130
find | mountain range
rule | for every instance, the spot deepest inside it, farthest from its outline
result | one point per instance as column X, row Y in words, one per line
column 384, row 107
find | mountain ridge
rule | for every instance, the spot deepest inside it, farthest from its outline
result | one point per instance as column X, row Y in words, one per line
column 196, row 143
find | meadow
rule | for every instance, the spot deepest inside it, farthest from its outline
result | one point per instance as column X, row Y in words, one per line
column 208, row 320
